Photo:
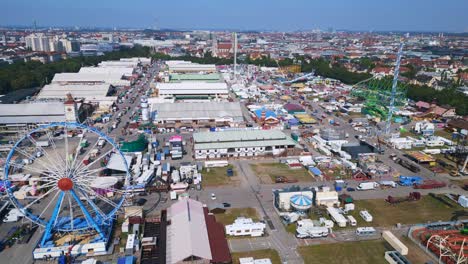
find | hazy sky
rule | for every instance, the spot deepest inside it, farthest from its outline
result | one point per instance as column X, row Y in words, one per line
column 411, row 15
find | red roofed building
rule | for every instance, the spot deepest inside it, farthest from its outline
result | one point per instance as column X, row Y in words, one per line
column 382, row 71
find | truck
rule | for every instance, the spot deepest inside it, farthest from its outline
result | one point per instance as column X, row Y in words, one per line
column 384, row 184
column 42, row 143
column 364, row 186
column 13, row 216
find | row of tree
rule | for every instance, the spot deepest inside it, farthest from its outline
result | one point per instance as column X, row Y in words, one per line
column 20, row 75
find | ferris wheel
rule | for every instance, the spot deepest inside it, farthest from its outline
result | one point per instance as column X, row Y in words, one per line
column 57, row 176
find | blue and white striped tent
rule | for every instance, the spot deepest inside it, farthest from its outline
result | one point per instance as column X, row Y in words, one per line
column 301, row 202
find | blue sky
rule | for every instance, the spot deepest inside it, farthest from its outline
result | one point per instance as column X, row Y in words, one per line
column 287, row 15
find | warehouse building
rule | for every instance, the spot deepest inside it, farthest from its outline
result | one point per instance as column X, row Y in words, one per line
column 125, row 72
column 114, row 79
column 241, row 143
column 89, row 93
column 190, row 77
column 194, row 236
column 189, row 67
column 193, row 90
column 16, row 119
column 193, row 114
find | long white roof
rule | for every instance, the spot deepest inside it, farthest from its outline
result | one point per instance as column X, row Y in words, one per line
column 192, row 88
column 72, row 77
column 32, row 113
column 89, row 92
column 191, row 111
column 123, row 71
column 187, row 235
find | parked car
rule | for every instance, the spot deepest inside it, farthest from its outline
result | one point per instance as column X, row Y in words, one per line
column 226, row 205
column 213, row 196
column 349, row 189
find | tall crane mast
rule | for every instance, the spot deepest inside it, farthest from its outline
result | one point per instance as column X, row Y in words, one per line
column 396, row 72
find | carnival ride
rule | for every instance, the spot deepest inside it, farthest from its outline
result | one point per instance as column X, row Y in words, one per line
column 383, row 95
column 448, row 243
column 70, row 193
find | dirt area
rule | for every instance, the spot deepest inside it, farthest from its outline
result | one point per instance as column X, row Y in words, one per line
column 267, row 172
column 213, row 177
column 230, row 215
column 422, row 211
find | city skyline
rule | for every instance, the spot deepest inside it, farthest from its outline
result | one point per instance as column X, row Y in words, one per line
column 297, row 15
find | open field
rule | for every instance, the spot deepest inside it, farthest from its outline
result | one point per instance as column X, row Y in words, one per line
column 258, row 254
column 218, row 177
column 422, row 211
column 267, row 172
column 231, row 214
column 363, row 252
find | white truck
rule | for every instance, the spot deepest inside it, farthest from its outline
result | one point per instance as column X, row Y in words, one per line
column 388, row 184
column 364, row 186
column 13, row 216
column 42, row 143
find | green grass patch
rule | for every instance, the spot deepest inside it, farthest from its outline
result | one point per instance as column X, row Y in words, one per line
column 422, row 211
column 291, row 228
column 267, row 172
column 258, row 254
column 231, row 214
column 218, row 176
column 371, row 252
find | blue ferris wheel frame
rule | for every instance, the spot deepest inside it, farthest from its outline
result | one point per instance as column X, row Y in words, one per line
column 49, row 225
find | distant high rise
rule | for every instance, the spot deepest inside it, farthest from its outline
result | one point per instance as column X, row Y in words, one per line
column 4, row 39
column 38, row 42
column 70, row 45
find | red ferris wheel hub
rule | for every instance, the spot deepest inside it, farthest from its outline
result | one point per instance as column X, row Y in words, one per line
column 65, row 184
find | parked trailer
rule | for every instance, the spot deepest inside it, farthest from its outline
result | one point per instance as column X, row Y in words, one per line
column 366, row 216
column 365, row 231
column 429, row 184
column 395, row 242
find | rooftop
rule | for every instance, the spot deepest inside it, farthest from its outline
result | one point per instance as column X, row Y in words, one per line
column 207, row 110
column 32, row 113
